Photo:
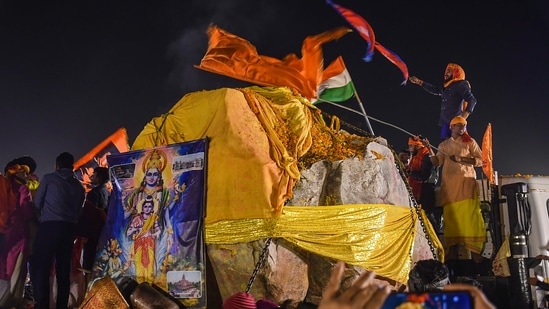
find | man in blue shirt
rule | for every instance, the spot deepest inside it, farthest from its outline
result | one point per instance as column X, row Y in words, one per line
column 59, row 199
column 457, row 98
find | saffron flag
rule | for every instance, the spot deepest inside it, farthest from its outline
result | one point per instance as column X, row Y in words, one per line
column 114, row 143
column 336, row 85
column 232, row 56
column 367, row 33
column 487, row 154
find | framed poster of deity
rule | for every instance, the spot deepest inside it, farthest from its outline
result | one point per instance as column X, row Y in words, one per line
column 155, row 221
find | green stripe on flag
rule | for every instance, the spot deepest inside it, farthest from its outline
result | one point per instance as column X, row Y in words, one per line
column 338, row 94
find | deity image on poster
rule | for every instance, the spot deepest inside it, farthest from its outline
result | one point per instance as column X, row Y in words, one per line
column 156, row 223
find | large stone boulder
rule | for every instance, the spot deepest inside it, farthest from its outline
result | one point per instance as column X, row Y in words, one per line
column 291, row 274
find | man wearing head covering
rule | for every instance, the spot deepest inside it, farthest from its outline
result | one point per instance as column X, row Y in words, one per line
column 16, row 217
column 419, row 168
column 404, row 157
column 457, row 98
column 427, row 276
column 422, row 183
column 463, row 222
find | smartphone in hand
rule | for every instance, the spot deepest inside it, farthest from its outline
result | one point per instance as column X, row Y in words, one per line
column 430, row 300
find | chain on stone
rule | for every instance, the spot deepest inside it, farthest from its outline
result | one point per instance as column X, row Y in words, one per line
column 416, row 207
column 258, row 264
column 404, row 178
column 411, row 195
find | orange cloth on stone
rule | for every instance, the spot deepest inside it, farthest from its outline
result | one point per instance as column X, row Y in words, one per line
column 233, row 56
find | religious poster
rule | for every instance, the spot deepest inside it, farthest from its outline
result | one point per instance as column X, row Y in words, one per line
column 155, row 221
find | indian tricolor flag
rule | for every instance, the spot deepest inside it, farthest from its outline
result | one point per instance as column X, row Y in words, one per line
column 336, row 85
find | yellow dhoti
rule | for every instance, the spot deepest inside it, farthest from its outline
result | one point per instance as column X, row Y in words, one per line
column 464, row 225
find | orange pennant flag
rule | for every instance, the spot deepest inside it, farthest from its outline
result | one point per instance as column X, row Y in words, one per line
column 487, row 154
column 235, row 57
column 115, row 143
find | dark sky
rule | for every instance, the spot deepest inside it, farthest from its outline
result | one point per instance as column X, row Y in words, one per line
column 73, row 72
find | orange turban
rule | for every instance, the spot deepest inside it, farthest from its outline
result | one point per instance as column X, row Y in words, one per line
column 458, row 119
column 16, row 168
column 414, row 141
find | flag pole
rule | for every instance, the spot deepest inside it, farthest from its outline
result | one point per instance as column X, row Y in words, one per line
column 369, row 117
column 364, row 113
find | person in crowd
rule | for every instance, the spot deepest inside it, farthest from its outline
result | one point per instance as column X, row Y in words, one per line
column 32, row 180
column 363, row 293
column 428, row 275
column 89, row 226
column 93, row 218
column 404, row 157
column 59, row 199
column 419, row 168
column 99, row 194
column 16, row 217
column 422, row 178
column 457, row 98
column 463, row 221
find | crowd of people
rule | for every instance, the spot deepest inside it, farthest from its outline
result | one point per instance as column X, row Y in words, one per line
column 40, row 219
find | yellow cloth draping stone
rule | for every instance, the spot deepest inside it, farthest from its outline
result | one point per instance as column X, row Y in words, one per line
column 375, row 237
column 249, row 168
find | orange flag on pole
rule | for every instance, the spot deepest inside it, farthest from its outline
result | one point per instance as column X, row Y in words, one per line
column 114, row 143
column 487, row 154
column 235, row 57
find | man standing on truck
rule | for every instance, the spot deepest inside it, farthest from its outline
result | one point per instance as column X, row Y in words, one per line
column 463, row 222
column 457, row 98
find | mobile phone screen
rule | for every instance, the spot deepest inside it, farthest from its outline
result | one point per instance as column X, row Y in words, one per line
column 430, row 300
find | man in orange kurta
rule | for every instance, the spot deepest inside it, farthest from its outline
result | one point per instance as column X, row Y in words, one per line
column 463, row 222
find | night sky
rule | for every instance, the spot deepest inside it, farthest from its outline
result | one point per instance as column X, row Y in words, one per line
column 73, row 73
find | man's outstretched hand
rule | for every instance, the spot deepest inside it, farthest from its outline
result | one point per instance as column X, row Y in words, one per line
column 415, row 80
column 363, row 293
